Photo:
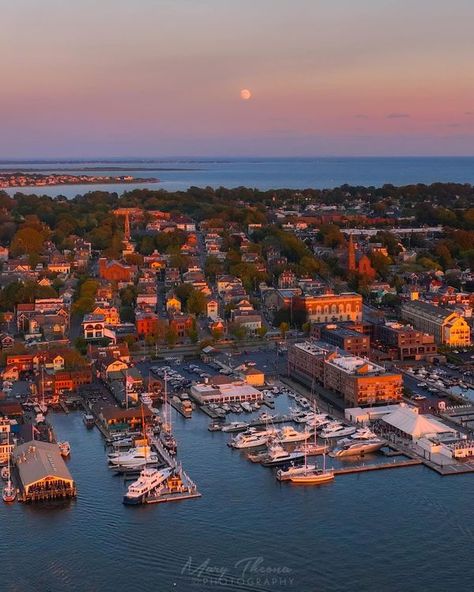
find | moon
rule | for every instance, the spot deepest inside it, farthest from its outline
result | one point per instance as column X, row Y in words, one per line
column 245, row 94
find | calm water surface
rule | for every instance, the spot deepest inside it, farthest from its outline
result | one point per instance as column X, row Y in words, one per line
column 263, row 173
column 405, row 529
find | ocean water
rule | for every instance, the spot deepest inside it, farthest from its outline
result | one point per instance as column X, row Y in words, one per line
column 262, row 173
column 402, row 529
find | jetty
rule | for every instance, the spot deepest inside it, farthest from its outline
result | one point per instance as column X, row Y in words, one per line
column 396, row 464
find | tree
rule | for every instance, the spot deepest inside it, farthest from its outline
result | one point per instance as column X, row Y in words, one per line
column 197, row 303
column 262, row 331
column 238, row 331
column 284, row 328
column 213, row 267
column 171, row 337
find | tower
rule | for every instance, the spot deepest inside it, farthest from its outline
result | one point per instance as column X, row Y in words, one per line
column 351, row 255
column 127, row 232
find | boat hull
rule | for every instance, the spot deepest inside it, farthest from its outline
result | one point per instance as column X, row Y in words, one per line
column 312, row 479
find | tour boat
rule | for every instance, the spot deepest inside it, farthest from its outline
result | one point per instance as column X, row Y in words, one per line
column 337, row 431
column 64, row 448
column 289, row 434
column 277, row 455
column 148, row 480
column 252, row 440
column 9, row 491
column 349, row 447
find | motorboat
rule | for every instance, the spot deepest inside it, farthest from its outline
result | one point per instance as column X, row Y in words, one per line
column 277, row 455
column 64, row 448
column 349, row 447
column 246, row 406
column 265, row 416
column 337, row 431
column 288, row 434
column 88, row 420
column 235, row 426
column 293, row 471
column 363, row 434
column 214, row 426
column 5, row 473
column 148, row 480
column 252, row 440
column 138, row 457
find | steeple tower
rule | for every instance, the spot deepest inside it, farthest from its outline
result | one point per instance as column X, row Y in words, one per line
column 351, row 255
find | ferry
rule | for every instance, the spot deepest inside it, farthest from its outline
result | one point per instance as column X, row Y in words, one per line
column 148, row 480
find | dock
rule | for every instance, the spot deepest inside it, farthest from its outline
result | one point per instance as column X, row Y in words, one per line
column 397, row 464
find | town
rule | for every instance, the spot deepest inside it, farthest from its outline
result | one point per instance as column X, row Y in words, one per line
column 21, row 179
column 347, row 311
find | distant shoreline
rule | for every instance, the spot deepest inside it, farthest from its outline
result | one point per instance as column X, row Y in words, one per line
column 97, row 168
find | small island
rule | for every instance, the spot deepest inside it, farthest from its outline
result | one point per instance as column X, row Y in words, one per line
column 21, row 179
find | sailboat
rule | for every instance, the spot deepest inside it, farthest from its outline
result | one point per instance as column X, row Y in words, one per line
column 9, row 491
column 310, row 474
column 166, row 435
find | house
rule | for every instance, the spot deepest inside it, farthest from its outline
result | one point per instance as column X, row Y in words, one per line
column 253, row 376
column 147, row 323
column 6, row 341
column 181, row 323
column 110, row 313
column 115, row 271
column 212, row 309
column 173, row 303
column 93, row 326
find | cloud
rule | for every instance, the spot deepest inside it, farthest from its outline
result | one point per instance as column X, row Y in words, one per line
column 397, row 115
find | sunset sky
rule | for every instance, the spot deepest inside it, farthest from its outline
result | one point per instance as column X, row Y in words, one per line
column 94, row 78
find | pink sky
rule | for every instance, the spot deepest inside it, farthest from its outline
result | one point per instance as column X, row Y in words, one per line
column 159, row 78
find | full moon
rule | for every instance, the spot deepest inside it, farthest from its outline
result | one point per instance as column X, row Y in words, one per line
column 245, row 94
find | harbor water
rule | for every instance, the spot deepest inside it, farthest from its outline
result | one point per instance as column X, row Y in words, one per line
column 402, row 529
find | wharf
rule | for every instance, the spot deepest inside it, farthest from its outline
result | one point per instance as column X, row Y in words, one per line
column 408, row 462
column 161, row 450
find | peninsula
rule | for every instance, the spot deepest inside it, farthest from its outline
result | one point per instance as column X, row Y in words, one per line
column 21, row 179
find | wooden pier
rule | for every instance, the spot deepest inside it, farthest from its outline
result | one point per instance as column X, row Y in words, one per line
column 407, row 462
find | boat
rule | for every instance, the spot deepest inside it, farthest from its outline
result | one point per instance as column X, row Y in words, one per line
column 5, row 473
column 312, row 448
column 88, row 420
column 314, row 477
column 136, row 458
column 349, row 447
column 9, row 491
column 148, row 480
column 337, row 431
column 265, row 417
column 363, row 434
column 214, row 426
column 277, row 455
column 235, row 426
column 246, row 406
column 292, row 471
column 288, row 434
column 64, row 448
column 252, row 440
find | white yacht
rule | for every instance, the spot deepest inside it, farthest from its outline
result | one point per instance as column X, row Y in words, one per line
column 235, row 426
column 289, row 434
column 349, row 447
column 148, row 480
column 363, row 434
column 252, row 440
column 64, row 448
column 277, row 455
column 135, row 458
column 246, row 406
column 337, row 431
column 292, row 471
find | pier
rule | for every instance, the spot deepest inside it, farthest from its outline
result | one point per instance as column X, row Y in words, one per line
column 396, row 464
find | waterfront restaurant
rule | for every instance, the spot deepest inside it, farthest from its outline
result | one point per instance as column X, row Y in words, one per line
column 233, row 392
column 42, row 472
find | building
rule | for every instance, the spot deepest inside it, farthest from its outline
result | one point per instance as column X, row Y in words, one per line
column 181, row 323
column 42, row 472
column 115, row 418
column 212, row 309
column 410, row 424
column 330, row 308
column 253, row 376
column 405, row 342
column 93, row 326
column 229, row 392
column 306, row 361
column 358, row 262
column 447, row 326
column 147, row 323
column 115, row 271
column 351, row 341
column 361, row 382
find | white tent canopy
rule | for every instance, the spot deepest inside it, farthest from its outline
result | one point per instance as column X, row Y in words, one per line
column 414, row 425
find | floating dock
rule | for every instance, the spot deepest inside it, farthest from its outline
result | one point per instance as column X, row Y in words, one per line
column 398, row 464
